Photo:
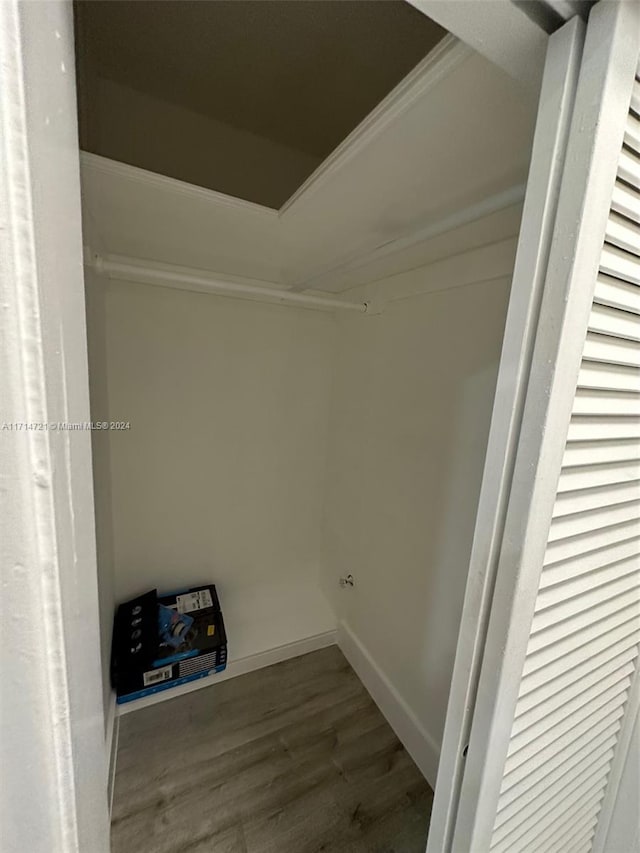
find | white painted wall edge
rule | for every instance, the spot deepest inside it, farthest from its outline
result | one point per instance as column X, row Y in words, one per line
column 420, row 745
column 242, row 666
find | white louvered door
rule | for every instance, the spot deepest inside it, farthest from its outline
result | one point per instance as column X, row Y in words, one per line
column 556, row 699
column 582, row 652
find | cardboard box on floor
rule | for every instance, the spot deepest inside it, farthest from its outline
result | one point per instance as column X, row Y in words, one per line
column 160, row 642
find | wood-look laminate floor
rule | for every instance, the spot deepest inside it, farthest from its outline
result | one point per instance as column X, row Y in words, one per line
column 295, row 758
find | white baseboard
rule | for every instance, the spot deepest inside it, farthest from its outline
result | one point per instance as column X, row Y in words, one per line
column 416, row 740
column 236, row 668
column 111, row 745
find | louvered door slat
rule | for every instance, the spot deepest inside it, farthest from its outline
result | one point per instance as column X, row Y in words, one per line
column 608, row 321
column 582, row 650
column 616, row 293
column 526, row 731
column 614, row 602
column 590, row 561
column 622, row 649
column 600, row 451
column 555, row 653
column 610, row 669
column 635, row 99
column 587, row 714
column 629, row 169
column 620, row 264
column 620, row 233
column 517, row 834
column 602, row 516
column 611, row 350
column 593, row 540
column 589, row 476
column 609, row 377
column 607, row 715
column 568, row 842
column 548, row 776
column 581, row 846
column 584, row 500
column 583, row 590
column 632, row 133
column 576, row 820
column 555, row 817
column 626, row 201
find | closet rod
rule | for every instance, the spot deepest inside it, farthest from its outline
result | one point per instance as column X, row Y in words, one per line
column 130, row 269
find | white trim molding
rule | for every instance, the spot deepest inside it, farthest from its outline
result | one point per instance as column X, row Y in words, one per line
column 448, row 54
column 422, row 234
column 135, row 174
column 420, row 745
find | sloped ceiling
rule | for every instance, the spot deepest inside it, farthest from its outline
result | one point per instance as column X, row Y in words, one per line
column 453, row 141
column 300, row 75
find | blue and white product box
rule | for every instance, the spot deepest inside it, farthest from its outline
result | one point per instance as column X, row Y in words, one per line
column 160, row 642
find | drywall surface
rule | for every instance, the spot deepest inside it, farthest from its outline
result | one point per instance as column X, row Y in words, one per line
column 220, row 475
column 139, row 129
column 413, row 394
column 102, row 497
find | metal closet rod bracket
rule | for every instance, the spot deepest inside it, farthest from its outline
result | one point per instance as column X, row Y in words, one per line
column 373, row 307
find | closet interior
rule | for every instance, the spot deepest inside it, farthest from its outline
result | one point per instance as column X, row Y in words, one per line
column 300, row 223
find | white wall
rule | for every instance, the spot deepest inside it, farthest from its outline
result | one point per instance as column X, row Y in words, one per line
column 413, row 394
column 220, row 477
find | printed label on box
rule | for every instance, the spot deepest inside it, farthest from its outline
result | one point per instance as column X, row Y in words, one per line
column 191, row 601
column 155, row 676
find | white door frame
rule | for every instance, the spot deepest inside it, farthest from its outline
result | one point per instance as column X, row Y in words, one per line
column 53, row 797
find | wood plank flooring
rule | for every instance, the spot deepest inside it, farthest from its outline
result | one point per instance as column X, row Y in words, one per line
column 295, row 758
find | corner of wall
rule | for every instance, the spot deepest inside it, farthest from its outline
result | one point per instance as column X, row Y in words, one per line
column 419, row 743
